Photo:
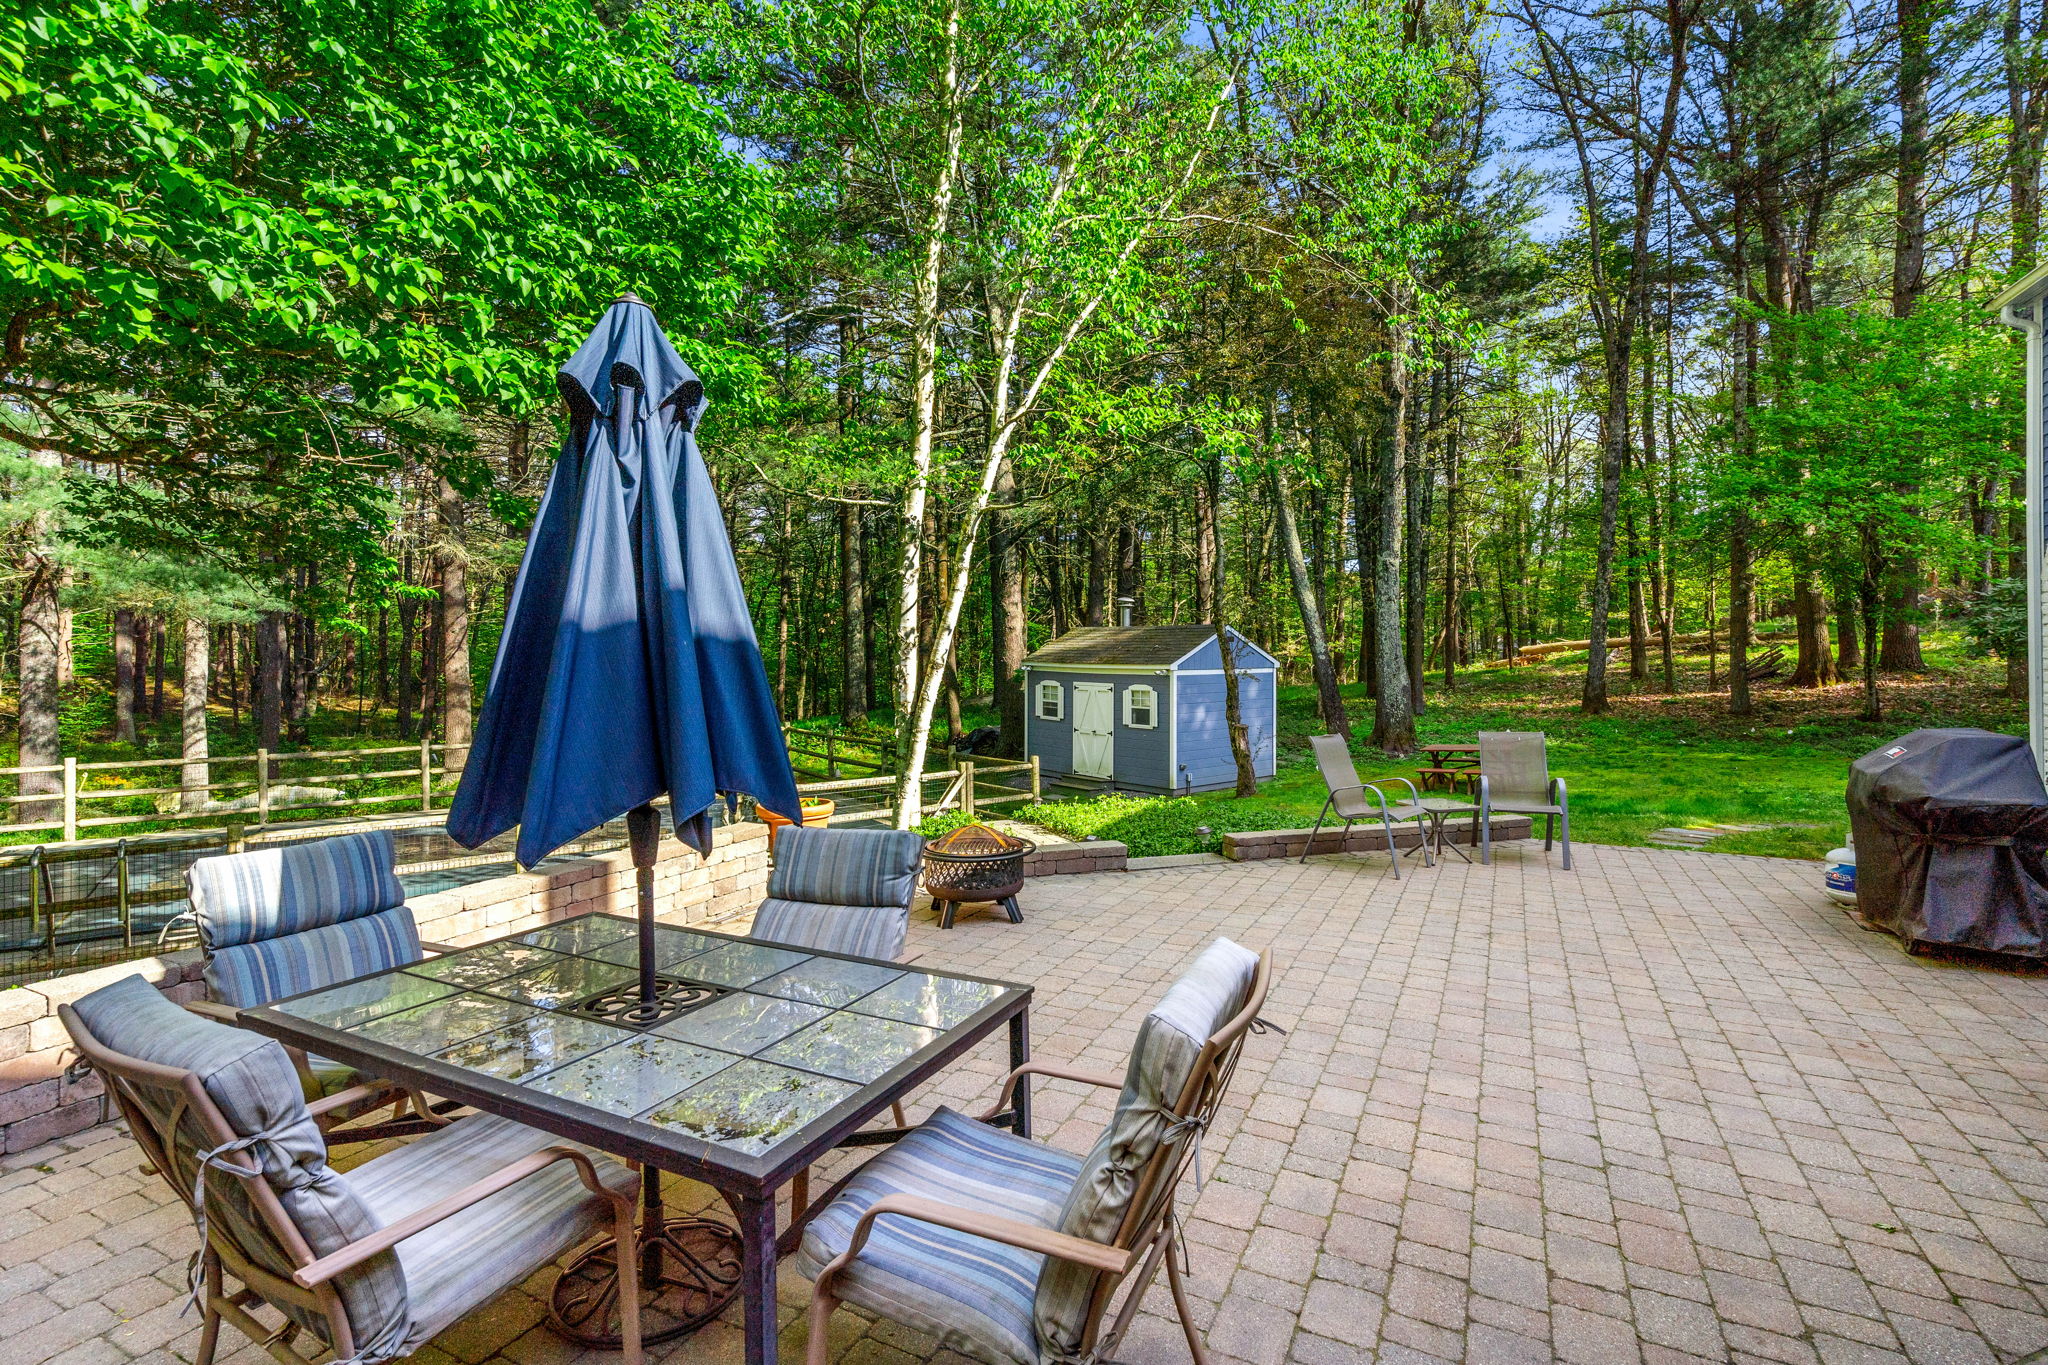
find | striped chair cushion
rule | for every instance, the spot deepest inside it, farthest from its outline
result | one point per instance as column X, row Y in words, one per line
column 1169, row 1042
column 257, row 1090
column 856, row 930
column 255, row 973
column 250, row 897
column 973, row 1294
column 522, row 1227
column 846, row 866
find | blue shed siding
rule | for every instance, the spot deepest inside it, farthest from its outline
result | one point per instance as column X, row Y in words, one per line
column 1209, row 655
column 1141, row 758
column 1205, row 733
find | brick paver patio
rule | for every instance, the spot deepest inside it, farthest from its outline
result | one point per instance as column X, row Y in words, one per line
column 1672, row 1107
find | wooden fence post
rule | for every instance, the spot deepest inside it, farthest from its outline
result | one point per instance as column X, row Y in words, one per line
column 967, row 788
column 70, row 799
column 831, row 757
column 262, row 788
column 426, row 772
column 1034, row 778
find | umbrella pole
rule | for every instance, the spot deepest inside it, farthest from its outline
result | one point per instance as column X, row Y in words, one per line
column 643, row 833
column 689, row 1267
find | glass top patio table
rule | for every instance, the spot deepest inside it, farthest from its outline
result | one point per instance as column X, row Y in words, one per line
column 783, row 1054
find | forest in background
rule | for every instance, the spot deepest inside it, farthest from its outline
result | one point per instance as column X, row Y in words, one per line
column 1398, row 336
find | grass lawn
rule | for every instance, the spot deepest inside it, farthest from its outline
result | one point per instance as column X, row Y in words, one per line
column 1654, row 761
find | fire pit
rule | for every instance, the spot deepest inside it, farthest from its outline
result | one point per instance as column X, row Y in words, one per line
column 975, row 865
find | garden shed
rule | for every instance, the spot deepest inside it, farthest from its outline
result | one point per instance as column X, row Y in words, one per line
column 2025, row 305
column 1142, row 707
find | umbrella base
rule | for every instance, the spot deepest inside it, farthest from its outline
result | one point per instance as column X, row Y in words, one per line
column 689, row 1272
column 625, row 1006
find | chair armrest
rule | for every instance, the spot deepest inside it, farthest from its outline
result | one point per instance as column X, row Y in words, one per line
column 437, row 949
column 1058, row 1073
column 996, row 1228
column 1485, row 796
column 216, row 1011
column 383, row 1239
column 1413, row 795
column 1557, row 791
column 355, row 1094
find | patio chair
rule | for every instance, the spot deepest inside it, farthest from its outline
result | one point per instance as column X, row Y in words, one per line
column 373, row 1264
column 283, row 920
column 1007, row 1250
column 1514, row 778
column 841, row 890
column 1348, row 798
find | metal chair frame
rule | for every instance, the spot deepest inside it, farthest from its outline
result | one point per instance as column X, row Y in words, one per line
column 311, row 1285
column 1556, row 822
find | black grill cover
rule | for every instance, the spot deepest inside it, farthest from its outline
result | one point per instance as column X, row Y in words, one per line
column 1950, row 830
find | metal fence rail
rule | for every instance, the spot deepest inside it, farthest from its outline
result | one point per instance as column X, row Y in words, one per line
column 64, row 907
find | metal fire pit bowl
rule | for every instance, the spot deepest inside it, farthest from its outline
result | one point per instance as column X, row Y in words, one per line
column 975, row 865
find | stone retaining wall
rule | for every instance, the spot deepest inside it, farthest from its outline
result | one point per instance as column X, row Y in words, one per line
column 1253, row 845
column 1062, row 860
column 38, row 1102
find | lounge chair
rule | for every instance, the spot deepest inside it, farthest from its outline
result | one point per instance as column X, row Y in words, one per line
column 1008, row 1250
column 374, row 1263
column 283, row 920
column 1514, row 778
column 841, row 890
column 1348, row 797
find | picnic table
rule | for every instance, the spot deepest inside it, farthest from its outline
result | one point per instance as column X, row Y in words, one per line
column 1450, row 765
column 787, row 1054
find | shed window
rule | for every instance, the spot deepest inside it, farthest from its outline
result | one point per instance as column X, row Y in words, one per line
column 1052, row 701
column 1141, row 708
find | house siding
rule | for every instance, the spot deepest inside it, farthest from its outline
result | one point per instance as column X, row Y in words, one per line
column 1142, row 757
column 1199, row 700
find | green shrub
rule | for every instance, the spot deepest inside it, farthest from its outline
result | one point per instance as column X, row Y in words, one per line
column 1151, row 826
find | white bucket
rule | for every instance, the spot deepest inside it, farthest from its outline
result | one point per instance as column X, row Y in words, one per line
column 1841, row 874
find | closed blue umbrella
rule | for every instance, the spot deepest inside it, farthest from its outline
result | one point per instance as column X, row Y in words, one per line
column 628, row 669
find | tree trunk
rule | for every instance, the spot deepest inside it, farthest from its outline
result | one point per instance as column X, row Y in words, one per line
column 1454, row 645
column 270, row 665
column 1208, row 554
column 457, row 697
column 193, row 776
column 40, row 697
column 1809, row 613
column 1233, row 713
column 1393, row 721
column 1095, row 612
column 1613, row 451
column 1415, row 604
column 1007, row 624
column 1739, row 616
column 124, row 675
column 1901, row 650
column 854, row 702
column 1848, row 638
column 1328, row 699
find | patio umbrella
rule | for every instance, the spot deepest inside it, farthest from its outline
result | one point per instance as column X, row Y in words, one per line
column 628, row 668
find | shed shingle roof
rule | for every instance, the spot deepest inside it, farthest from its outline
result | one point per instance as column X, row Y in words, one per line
column 1140, row 646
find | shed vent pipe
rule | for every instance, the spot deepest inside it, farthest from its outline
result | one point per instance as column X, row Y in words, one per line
column 1123, row 611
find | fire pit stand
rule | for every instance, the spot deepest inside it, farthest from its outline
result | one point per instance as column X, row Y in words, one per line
column 975, row 865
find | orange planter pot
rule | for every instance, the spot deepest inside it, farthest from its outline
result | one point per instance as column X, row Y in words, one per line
column 817, row 811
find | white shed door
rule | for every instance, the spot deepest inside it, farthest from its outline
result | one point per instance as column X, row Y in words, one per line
column 1094, row 746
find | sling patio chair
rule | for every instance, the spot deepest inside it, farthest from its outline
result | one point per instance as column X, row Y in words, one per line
column 1008, row 1250
column 1514, row 778
column 840, row 891
column 291, row 918
column 1348, row 798
column 372, row 1264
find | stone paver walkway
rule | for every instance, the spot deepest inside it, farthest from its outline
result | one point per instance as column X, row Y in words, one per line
column 1672, row 1107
